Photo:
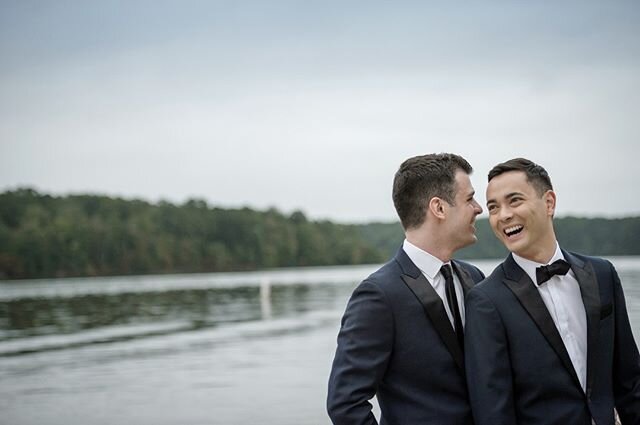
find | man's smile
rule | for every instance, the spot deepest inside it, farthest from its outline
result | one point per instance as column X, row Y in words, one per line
column 513, row 230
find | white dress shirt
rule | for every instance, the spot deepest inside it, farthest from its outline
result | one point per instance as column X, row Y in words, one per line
column 561, row 295
column 430, row 268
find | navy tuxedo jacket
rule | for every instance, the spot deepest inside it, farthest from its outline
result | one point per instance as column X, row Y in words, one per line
column 518, row 369
column 396, row 342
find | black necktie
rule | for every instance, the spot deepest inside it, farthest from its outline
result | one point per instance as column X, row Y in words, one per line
column 544, row 273
column 452, row 300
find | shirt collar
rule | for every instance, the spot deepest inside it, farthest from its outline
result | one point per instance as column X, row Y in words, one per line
column 427, row 263
column 530, row 266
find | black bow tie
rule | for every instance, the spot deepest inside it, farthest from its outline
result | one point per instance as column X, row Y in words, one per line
column 544, row 273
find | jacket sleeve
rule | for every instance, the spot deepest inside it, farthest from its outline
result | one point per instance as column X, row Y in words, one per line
column 364, row 347
column 487, row 362
column 626, row 361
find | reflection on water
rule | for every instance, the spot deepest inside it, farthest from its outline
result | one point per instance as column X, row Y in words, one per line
column 193, row 349
column 227, row 348
column 138, row 315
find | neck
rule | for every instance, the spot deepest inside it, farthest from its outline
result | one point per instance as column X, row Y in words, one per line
column 543, row 251
column 433, row 244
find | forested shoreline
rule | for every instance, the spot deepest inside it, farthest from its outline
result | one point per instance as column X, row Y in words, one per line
column 91, row 235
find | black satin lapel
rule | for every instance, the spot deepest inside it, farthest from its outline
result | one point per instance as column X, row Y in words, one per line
column 434, row 308
column 591, row 299
column 526, row 292
column 464, row 277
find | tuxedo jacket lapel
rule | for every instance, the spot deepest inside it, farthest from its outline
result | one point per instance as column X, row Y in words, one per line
column 463, row 276
column 432, row 305
column 527, row 294
column 590, row 294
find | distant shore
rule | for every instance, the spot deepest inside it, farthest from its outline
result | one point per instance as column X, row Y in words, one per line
column 43, row 236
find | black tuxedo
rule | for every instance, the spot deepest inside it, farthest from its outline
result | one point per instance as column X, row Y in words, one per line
column 396, row 342
column 518, row 369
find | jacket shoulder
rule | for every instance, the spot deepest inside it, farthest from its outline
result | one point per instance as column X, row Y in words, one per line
column 390, row 271
column 473, row 270
column 596, row 261
column 493, row 281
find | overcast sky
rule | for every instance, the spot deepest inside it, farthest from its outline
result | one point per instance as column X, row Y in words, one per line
column 313, row 105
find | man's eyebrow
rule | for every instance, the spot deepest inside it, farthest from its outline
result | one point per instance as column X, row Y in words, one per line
column 507, row 196
column 512, row 194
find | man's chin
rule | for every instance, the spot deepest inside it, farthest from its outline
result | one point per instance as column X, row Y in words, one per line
column 516, row 249
column 470, row 242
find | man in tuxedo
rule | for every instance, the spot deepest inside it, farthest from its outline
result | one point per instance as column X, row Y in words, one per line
column 548, row 339
column 402, row 332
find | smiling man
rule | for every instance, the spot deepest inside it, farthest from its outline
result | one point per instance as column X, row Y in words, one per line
column 401, row 337
column 548, row 339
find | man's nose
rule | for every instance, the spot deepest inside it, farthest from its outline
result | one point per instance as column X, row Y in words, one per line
column 505, row 214
column 477, row 208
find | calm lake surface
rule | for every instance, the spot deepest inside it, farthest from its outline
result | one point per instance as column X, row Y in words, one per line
column 232, row 348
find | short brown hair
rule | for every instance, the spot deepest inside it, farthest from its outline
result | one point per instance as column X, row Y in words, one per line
column 421, row 178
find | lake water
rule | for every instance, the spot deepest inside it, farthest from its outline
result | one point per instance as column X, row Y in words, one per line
column 226, row 348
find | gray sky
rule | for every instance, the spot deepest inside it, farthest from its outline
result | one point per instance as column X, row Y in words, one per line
column 313, row 105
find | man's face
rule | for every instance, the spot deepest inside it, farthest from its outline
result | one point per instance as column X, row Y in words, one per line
column 462, row 215
column 520, row 218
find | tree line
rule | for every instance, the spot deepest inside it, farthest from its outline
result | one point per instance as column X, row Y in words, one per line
column 90, row 235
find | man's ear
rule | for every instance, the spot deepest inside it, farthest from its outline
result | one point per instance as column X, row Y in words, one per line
column 437, row 207
column 550, row 202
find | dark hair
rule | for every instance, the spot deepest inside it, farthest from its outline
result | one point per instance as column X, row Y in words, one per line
column 537, row 176
column 421, row 178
